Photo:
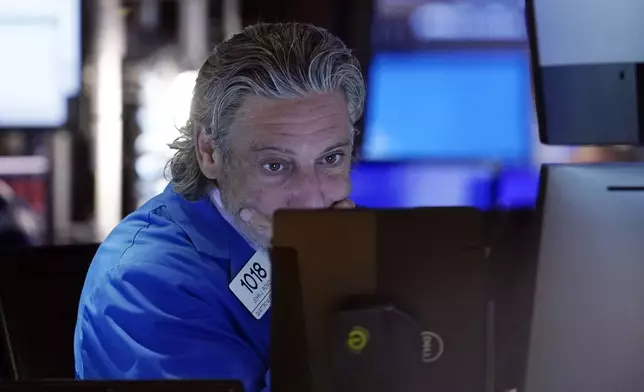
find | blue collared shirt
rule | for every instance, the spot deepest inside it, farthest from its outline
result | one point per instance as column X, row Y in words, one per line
column 156, row 302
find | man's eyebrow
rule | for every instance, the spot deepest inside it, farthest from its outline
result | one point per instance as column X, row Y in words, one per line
column 335, row 146
column 256, row 147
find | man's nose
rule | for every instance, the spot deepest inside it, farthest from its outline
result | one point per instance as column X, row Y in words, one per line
column 309, row 192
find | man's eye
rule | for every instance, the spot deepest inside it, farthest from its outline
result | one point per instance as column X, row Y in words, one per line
column 333, row 159
column 273, row 167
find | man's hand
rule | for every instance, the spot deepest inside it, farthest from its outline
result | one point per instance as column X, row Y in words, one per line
column 345, row 204
column 260, row 221
column 253, row 218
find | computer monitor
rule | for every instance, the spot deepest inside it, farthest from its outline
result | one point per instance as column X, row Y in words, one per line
column 122, row 386
column 587, row 331
column 380, row 301
column 413, row 184
column 35, row 93
column 588, row 70
column 449, row 104
column 37, row 345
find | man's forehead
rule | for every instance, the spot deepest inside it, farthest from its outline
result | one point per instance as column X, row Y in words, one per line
column 313, row 105
column 318, row 118
column 257, row 146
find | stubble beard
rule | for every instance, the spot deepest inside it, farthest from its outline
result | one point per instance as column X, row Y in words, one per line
column 233, row 205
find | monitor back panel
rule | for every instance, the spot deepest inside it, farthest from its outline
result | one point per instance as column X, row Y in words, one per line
column 39, row 292
column 411, row 283
column 588, row 323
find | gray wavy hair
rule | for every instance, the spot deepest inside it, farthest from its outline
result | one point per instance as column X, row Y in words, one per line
column 271, row 60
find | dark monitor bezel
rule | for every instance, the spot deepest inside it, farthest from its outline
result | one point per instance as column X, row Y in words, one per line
column 535, row 69
column 117, row 386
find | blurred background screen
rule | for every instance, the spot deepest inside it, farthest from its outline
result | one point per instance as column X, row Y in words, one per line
column 41, row 61
column 449, row 81
column 470, row 104
column 517, row 187
column 420, row 184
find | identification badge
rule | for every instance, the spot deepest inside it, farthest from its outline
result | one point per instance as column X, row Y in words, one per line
column 252, row 285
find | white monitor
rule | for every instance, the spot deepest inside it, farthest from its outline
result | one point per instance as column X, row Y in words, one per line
column 40, row 66
column 588, row 69
column 587, row 331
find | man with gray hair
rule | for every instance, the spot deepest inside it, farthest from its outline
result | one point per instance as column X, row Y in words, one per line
column 181, row 287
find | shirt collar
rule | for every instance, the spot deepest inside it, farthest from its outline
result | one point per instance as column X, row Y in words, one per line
column 208, row 230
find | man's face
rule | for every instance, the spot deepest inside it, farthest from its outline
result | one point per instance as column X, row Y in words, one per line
column 286, row 153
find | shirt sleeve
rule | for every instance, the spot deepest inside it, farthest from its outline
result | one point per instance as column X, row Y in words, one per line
column 147, row 323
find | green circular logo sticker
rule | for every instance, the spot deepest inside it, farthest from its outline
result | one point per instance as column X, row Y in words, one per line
column 357, row 339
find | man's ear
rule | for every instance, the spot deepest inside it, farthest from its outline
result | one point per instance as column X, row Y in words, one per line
column 209, row 158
